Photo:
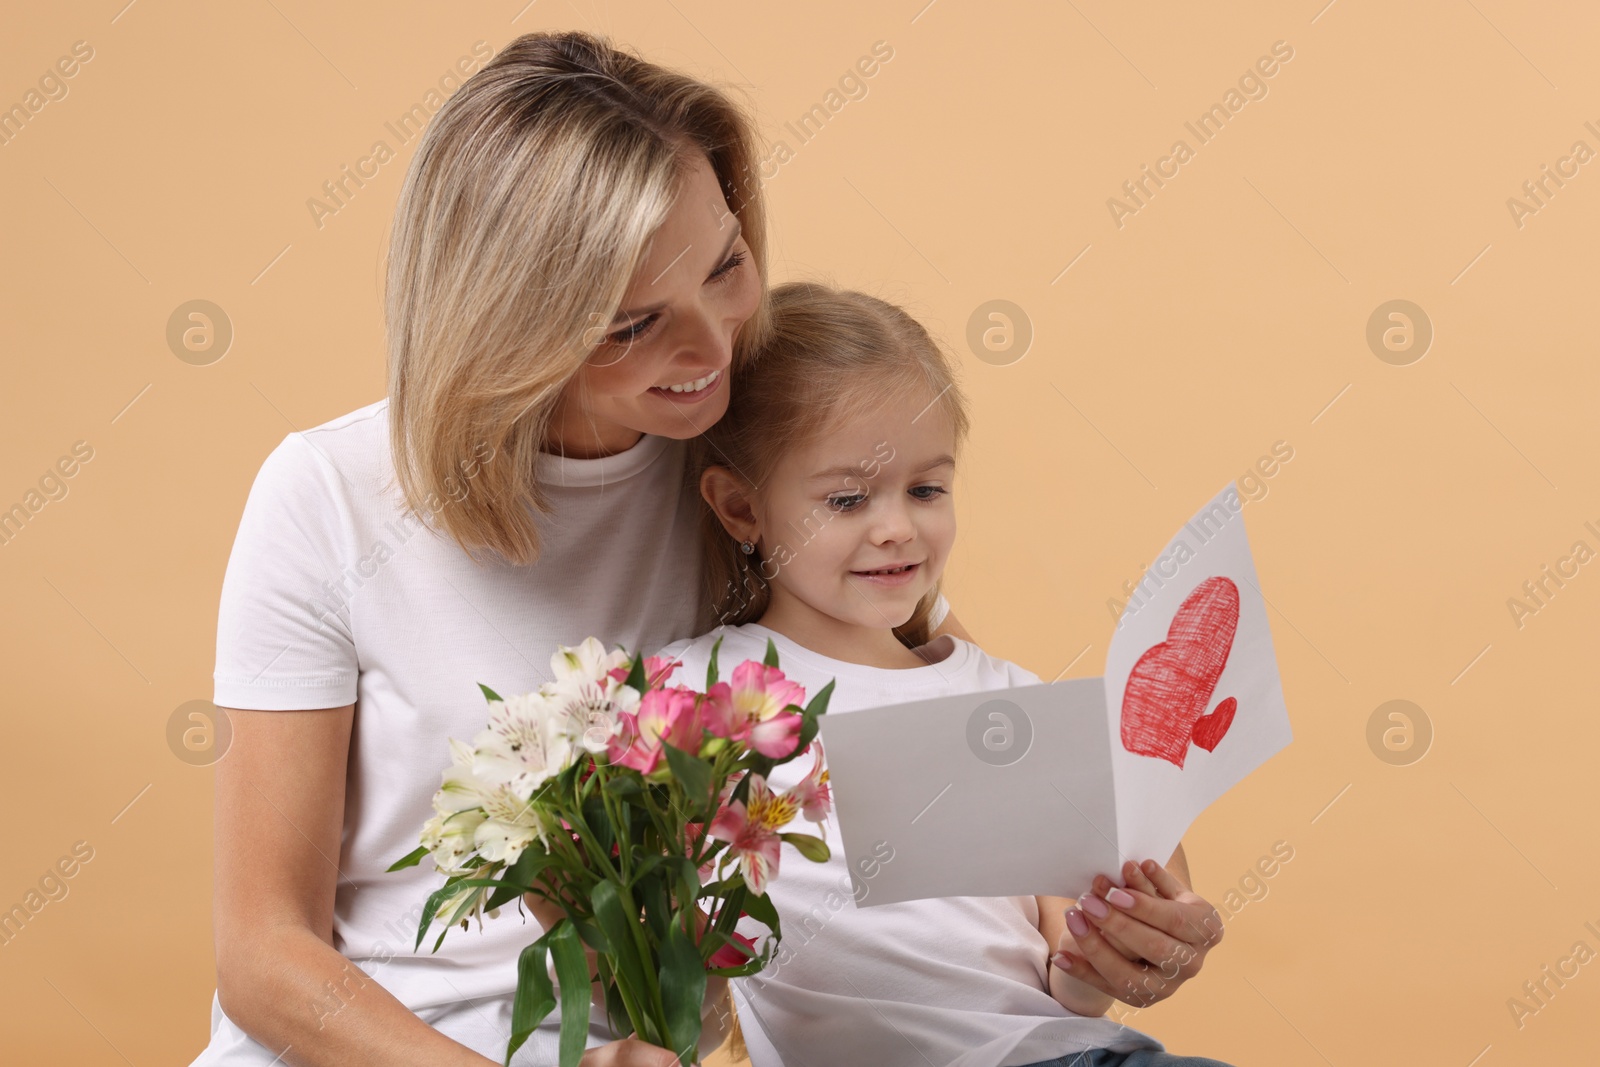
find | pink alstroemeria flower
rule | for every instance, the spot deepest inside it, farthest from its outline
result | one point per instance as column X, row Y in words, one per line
column 657, row 670
column 751, row 709
column 751, row 830
column 664, row 716
column 813, row 793
column 728, row 956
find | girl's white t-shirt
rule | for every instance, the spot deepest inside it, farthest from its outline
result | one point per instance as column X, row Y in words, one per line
column 947, row 982
column 335, row 595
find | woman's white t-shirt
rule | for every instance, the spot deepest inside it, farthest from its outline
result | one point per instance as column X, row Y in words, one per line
column 947, row 982
column 334, row 596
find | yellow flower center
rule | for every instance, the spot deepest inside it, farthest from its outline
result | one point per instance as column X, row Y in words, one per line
column 771, row 811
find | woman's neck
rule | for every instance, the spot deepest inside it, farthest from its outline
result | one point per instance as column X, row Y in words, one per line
column 587, row 438
column 869, row 646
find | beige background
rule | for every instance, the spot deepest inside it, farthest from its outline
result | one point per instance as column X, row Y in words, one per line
column 1228, row 313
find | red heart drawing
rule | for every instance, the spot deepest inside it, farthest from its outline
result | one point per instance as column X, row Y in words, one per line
column 1209, row 730
column 1164, row 704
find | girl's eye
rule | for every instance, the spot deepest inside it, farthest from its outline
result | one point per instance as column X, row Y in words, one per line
column 728, row 267
column 846, row 503
column 933, row 491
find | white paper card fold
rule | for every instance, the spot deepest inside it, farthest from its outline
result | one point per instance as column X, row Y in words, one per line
column 1036, row 789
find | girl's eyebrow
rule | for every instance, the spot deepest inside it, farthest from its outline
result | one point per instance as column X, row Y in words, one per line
column 945, row 460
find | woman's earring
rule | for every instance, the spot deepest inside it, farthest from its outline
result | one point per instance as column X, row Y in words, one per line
column 747, row 547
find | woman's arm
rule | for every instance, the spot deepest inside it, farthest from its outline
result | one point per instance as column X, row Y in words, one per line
column 280, row 795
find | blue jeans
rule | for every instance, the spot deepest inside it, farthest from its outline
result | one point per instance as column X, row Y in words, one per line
column 1104, row 1057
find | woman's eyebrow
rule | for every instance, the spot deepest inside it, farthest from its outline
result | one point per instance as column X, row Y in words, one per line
column 650, row 309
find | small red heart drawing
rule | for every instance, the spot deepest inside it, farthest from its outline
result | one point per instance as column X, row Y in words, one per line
column 1164, row 704
column 1209, row 730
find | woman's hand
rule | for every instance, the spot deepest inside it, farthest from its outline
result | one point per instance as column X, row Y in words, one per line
column 629, row 1052
column 1140, row 942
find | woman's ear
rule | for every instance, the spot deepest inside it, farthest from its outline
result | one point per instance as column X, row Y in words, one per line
column 729, row 497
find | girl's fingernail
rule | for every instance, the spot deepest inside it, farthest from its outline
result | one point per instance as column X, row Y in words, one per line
column 1120, row 898
column 1062, row 960
column 1077, row 923
column 1095, row 906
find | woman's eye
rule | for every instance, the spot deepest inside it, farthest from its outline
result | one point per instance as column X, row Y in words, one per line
column 633, row 332
column 727, row 267
column 846, row 503
column 933, row 491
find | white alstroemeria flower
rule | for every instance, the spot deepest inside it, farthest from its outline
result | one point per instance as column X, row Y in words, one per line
column 588, row 659
column 588, row 710
column 450, row 837
column 461, row 788
column 511, row 824
column 524, row 745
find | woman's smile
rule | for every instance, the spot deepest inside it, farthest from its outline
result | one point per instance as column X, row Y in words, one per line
column 691, row 391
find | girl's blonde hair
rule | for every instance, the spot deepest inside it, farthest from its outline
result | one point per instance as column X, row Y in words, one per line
column 833, row 357
column 529, row 205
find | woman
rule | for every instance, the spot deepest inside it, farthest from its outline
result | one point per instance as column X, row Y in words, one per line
column 578, row 257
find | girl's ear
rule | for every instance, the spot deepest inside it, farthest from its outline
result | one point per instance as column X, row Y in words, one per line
column 729, row 497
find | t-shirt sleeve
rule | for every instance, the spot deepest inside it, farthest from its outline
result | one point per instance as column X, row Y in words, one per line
column 941, row 608
column 283, row 633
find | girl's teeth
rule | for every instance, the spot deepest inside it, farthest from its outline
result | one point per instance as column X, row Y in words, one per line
column 694, row 386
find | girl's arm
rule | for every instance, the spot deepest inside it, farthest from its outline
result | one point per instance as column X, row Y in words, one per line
column 280, row 796
column 1070, row 993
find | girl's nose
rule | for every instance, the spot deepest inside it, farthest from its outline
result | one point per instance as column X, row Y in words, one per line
column 893, row 523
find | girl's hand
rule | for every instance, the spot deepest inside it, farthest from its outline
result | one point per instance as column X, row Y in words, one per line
column 1139, row 943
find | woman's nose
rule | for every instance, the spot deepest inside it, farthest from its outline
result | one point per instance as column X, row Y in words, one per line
column 705, row 343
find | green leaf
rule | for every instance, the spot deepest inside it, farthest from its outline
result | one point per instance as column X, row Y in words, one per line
column 535, row 997
column 616, row 1008
column 623, row 785
column 518, row 878
column 572, row 972
column 653, row 896
column 528, row 867
column 430, row 907
column 812, row 848
column 693, row 772
column 688, row 881
column 635, row 984
column 410, row 859
column 711, row 668
column 591, row 936
column 489, row 694
column 598, row 821
column 819, row 702
column 761, row 909
column 683, row 989
column 645, row 866
column 636, row 675
column 732, row 905
column 771, row 659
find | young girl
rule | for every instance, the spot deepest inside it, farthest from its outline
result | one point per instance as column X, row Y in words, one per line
column 829, row 520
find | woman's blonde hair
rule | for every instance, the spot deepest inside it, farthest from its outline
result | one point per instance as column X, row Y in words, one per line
column 833, row 357
column 528, row 207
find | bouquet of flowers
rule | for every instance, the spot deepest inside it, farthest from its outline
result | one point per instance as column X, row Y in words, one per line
column 626, row 802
